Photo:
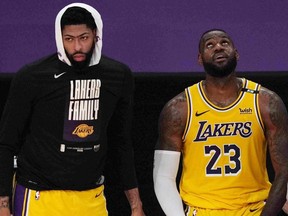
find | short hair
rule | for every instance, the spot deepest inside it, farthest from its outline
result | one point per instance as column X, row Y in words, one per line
column 210, row 30
column 76, row 16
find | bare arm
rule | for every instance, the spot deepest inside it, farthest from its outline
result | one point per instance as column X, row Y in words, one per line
column 274, row 115
column 172, row 123
column 135, row 202
column 4, row 206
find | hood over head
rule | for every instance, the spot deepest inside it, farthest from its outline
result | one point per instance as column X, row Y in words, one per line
column 58, row 34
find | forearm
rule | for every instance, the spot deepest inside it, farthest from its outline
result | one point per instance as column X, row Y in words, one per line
column 134, row 200
column 276, row 198
column 4, row 206
column 164, row 175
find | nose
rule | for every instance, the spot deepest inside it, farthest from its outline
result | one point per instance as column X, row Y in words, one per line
column 218, row 46
column 77, row 45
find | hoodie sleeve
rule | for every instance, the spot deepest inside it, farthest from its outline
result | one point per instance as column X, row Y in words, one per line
column 119, row 135
column 12, row 126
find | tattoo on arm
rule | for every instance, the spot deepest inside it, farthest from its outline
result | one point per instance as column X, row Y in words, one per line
column 276, row 125
column 172, row 122
column 275, row 118
column 4, row 202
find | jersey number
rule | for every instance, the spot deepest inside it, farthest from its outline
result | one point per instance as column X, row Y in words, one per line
column 232, row 168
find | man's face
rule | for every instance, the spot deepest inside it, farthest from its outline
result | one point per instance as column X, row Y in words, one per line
column 217, row 54
column 78, row 41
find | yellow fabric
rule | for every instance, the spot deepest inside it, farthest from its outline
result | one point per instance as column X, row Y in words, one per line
column 250, row 210
column 224, row 153
column 65, row 203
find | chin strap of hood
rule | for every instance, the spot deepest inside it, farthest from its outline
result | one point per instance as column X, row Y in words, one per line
column 58, row 34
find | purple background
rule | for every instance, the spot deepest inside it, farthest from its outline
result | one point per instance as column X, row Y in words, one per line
column 153, row 35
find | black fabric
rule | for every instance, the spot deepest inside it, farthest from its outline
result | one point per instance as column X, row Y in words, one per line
column 42, row 116
column 282, row 213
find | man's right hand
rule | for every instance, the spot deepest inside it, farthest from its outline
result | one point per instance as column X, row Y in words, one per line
column 5, row 212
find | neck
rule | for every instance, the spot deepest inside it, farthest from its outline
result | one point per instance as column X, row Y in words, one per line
column 222, row 91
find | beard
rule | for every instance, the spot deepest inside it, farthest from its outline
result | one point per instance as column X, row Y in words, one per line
column 220, row 71
column 81, row 64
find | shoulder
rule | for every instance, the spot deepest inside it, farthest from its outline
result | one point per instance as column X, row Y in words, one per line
column 175, row 111
column 269, row 98
column 272, row 107
column 108, row 63
column 176, row 102
column 112, row 69
column 172, row 122
column 116, row 76
column 40, row 64
column 32, row 69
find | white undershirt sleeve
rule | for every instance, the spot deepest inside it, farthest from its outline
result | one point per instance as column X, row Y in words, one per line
column 165, row 170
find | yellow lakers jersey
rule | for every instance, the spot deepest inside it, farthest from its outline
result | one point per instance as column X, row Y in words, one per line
column 224, row 151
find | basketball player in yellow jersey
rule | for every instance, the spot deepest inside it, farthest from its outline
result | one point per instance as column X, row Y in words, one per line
column 221, row 128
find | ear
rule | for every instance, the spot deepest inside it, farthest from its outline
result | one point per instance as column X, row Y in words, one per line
column 237, row 54
column 200, row 61
column 95, row 36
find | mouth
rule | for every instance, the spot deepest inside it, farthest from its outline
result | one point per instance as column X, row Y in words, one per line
column 220, row 57
column 79, row 57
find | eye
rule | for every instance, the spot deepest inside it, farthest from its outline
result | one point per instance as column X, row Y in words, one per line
column 83, row 38
column 68, row 39
column 225, row 43
column 209, row 45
